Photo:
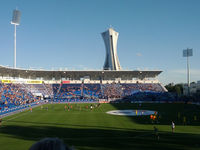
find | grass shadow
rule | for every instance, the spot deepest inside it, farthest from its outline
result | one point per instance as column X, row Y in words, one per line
column 104, row 138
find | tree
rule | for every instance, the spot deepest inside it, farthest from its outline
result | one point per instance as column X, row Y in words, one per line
column 176, row 89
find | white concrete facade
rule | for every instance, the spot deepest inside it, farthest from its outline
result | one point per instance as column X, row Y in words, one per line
column 110, row 38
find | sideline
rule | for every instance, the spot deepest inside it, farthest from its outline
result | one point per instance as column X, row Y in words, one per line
column 18, row 111
column 16, row 116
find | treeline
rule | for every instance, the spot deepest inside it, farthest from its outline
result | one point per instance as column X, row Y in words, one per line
column 177, row 91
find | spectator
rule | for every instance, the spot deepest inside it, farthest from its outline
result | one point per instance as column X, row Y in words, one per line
column 50, row 144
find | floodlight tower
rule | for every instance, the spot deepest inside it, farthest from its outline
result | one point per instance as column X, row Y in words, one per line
column 15, row 21
column 187, row 53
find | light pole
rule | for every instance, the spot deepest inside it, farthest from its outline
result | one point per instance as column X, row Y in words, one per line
column 15, row 21
column 188, row 53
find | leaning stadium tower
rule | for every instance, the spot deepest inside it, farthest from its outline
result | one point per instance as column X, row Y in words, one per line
column 110, row 39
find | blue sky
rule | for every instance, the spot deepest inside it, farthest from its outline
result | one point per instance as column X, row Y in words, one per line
column 67, row 34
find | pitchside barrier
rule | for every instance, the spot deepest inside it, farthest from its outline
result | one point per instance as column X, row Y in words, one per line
column 17, row 109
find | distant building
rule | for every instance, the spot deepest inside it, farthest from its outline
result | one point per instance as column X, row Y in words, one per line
column 194, row 88
column 110, row 39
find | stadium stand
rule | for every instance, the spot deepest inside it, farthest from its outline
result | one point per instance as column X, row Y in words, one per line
column 68, row 91
column 13, row 97
column 21, row 94
column 39, row 89
column 92, row 91
column 113, row 90
column 22, row 87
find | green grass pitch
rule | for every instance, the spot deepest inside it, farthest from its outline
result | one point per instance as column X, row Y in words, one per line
column 95, row 130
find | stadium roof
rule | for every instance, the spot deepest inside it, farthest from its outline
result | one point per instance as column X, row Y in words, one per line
column 75, row 75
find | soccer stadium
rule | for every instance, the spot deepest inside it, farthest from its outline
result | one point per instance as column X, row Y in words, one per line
column 108, row 109
column 112, row 84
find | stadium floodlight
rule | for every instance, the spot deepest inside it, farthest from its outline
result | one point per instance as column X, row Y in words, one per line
column 188, row 53
column 15, row 21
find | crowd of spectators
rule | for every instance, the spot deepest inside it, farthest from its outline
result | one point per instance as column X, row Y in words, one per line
column 149, row 97
column 129, row 89
column 113, row 90
column 77, row 91
column 44, row 89
column 67, row 90
column 92, row 90
column 19, row 94
column 13, row 95
column 104, row 91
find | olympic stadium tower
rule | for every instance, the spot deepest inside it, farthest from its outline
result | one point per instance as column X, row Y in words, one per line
column 110, row 39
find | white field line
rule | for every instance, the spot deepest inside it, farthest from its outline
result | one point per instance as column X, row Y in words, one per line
column 16, row 116
column 16, row 112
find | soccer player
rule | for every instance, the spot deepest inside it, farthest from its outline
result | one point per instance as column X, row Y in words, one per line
column 156, row 133
column 173, row 126
column 65, row 107
column 68, row 108
column 86, row 106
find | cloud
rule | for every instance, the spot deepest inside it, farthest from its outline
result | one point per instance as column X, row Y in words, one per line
column 179, row 76
column 138, row 54
column 195, row 72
